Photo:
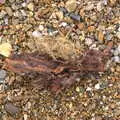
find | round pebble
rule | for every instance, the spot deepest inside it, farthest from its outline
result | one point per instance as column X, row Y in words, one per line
column 97, row 86
column 36, row 33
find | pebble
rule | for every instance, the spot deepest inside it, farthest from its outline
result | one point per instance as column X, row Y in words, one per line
column 97, row 86
column 23, row 13
column 75, row 17
column 116, row 59
column 27, row 27
column 89, row 7
column 109, row 36
column 63, row 24
column 5, row 49
column 116, row 52
column 118, row 34
column 25, row 117
column 91, row 28
column 11, row 108
column 24, row 4
column 78, row 79
column 59, row 14
column 99, row 6
column 77, row 89
column 2, row 75
column 9, row 11
column 2, row 14
column 71, row 5
column 88, row 89
column 15, row 7
column 70, row 105
column 6, row 21
column 100, row 36
column 118, row 69
column 30, row 6
column 88, row 41
column 41, row 27
column 112, row 2
column 36, row 34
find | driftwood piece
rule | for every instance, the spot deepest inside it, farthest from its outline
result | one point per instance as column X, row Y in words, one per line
column 56, row 74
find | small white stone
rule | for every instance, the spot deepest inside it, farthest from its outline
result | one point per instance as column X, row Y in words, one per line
column 78, row 79
column 110, row 85
column 41, row 27
column 97, row 86
column 104, row 97
column 23, row 13
column 99, row 6
column 93, row 46
column 105, row 2
column 24, row 4
column 36, row 34
column 116, row 59
column 93, row 118
column 101, row 103
column 88, row 41
column 63, row 24
column 25, row 117
column 88, row 89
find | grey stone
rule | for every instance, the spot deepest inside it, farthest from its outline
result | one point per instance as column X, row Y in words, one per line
column 109, row 36
column 75, row 17
column 2, row 75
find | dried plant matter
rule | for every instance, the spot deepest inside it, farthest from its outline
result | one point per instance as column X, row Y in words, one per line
column 56, row 74
column 58, row 47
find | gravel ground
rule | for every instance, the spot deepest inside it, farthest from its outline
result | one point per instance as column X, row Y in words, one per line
column 88, row 24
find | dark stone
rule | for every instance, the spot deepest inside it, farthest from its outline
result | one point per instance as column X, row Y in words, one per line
column 75, row 17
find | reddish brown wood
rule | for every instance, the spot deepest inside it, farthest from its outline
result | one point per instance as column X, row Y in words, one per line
column 56, row 74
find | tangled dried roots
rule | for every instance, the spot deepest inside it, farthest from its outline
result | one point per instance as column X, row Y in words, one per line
column 58, row 47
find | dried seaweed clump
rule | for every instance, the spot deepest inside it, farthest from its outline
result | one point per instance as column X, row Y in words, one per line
column 56, row 74
column 58, row 47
